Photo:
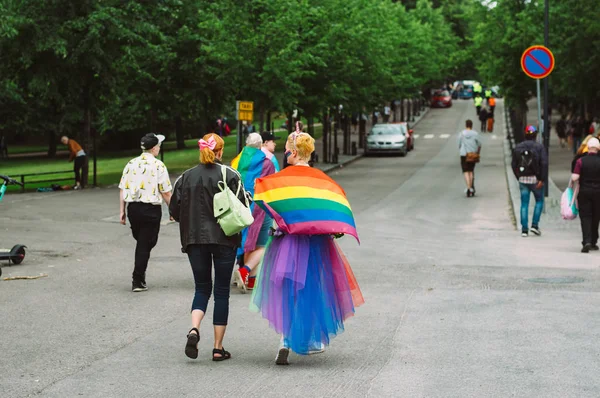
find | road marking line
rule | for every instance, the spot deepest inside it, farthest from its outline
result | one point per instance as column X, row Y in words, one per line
column 416, row 136
column 494, row 137
column 428, row 136
column 444, row 135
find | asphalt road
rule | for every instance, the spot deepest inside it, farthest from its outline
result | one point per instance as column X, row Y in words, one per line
column 457, row 304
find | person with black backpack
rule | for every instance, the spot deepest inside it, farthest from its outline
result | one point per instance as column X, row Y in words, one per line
column 530, row 166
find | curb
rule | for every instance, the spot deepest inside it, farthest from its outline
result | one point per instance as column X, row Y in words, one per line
column 350, row 161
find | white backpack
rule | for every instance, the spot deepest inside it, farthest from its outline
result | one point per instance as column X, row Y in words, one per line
column 230, row 212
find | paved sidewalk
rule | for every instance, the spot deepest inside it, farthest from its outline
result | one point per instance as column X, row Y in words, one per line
column 551, row 220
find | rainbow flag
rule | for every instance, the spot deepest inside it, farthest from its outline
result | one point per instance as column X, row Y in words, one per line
column 252, row 163
column 304, row 200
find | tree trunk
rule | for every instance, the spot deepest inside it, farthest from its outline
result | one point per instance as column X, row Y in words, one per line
column 179, row 132
column 402, row 119
column 325, row 137
column 51, row 144
column 269, row 121
column 86, row 137
column 261, row 118
column 311, row 125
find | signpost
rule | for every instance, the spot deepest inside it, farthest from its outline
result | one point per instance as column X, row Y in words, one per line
column 245, row 112
column 538, row 62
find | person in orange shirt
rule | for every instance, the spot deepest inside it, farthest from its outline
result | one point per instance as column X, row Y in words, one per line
column 492, row 105
column 77, row 154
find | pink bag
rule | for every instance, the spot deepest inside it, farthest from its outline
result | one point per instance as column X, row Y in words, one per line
column 568, row 206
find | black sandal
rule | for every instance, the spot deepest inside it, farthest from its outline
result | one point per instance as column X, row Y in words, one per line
column 191, row 347
column 224, row 354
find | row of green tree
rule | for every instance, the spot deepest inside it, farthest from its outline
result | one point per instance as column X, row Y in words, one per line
column 509, row 27
column 115, row 66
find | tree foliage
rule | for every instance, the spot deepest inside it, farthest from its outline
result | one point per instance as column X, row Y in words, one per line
column 126, row 66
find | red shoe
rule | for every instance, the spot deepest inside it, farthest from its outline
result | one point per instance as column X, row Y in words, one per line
column 251, row 282
column 241, row 277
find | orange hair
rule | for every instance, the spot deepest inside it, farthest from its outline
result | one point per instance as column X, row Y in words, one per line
column 303, row 143
column 207, row 155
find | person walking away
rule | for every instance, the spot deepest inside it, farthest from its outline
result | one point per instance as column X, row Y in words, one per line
column 144, row 185
column 561, row 130
column 268, row 147
column 587, row 174
column 478, row 102
column 469, row 145
column 305, row 287
column 204, row 242
column 492, row 105
column 477, row 90
column 252, row 163
column 78, row 155
column 530, row 167
column 483, row 117
column 579, row 133
column 387, row 111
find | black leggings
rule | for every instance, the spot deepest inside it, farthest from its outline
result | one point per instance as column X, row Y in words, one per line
column 201, row 259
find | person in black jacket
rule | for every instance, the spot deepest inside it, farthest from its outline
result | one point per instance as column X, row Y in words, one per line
column 204, row 241
column 530, row 166
column 587, row 173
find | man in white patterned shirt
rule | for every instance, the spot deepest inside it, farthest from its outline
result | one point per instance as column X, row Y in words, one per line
column 144, row 186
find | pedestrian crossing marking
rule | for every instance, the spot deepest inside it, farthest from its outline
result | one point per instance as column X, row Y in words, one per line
column 494, row 137
column 416, row 136
column 444, row 135
column 428, row 136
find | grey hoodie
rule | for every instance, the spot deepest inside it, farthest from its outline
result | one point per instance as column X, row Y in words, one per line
column 468, row 141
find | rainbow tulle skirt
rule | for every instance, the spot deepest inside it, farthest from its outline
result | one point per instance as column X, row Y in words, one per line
column 305, row 289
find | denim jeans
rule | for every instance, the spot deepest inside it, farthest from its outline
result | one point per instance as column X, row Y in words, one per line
column 538, row 194
column 202, row 258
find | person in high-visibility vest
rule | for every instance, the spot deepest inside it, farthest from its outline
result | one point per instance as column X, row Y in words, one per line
column 477, row 89
column 488, row 93
column 478, row 102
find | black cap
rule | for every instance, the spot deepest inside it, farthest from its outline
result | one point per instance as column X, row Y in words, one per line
column 151, row 140
column 267, row 136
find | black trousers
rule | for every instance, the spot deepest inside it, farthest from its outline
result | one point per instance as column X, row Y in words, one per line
column 589, row 214
column 202, row 258
column 145, row 226
column 79, row 163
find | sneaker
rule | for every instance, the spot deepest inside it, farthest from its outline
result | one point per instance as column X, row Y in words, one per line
column 586, row 248
column 138, row 287
column 524, row 234
column 282, row 356
column 472, row 192
column 317, row 349
column 594, row 247
column 241, row 277
column 251, row 282
column 536, row 230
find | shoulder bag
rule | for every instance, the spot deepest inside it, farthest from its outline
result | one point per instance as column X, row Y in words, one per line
column 230, row 212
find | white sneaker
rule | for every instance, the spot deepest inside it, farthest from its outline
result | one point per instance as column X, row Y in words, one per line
column 524, row 234
column 536, row 231
column 319, row 348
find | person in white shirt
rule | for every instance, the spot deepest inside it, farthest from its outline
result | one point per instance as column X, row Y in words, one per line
column 144, row 186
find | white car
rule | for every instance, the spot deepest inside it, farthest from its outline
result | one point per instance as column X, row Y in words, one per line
column 388, row 138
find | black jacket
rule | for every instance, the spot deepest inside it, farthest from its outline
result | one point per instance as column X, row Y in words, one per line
column 192, row 205
column 540, row 155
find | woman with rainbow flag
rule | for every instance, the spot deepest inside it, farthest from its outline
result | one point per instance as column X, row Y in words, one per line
column 252, row 163
column 305, row 287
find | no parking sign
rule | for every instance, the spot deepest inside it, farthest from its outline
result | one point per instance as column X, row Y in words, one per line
column 537, row 62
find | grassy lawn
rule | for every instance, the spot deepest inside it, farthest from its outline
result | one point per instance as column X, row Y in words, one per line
column 110, row 166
